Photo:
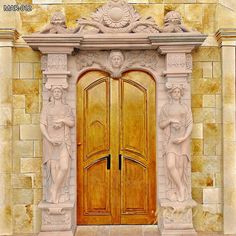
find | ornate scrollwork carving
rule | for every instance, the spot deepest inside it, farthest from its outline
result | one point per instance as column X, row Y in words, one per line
column 117, row 62
column 118, row 16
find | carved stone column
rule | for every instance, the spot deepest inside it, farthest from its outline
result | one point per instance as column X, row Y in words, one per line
column 226, row 38
column 58, row 211
column 8, row 36
column 175, row 217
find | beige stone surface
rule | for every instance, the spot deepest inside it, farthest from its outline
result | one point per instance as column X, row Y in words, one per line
column 197, row 100
column 5, row 115
column 29, row 132
column 6, row 56
column 207, row 69
column 23, row 218
column 20, row 117
column 18, row 101
column 206, row 221
column 6, row 91
column 26, row 70
column 38, row 148
column 21, row 181
column 23, row 196
column 212, row 195
column 6, row 226
column 5, row 157
column 202, row 180
column 25, row 87
column 30, row 165
column 32, row 103
column 197, row 164
column 23, row 148
column 197, row 130
column 209, row 101
column 197, row 147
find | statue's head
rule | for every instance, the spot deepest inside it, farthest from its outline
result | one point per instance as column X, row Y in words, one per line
column 57, row 93
column 58, row 18
column 116, row 59
column 175, row 91
column 173, row 17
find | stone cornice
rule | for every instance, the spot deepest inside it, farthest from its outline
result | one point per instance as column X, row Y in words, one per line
column 8, row 36
column 226, row 36
column 125, row 41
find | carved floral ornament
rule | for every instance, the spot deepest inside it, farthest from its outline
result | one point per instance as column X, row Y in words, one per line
column 116, row 16
column 116, row 62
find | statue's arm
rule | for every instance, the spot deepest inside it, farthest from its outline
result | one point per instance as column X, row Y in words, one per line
column 69, row 121
column 45, row 132
column 164, row 123
column 164, row 120
column 188, row 131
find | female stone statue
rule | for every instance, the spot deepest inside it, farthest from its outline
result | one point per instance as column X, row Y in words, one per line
column 176, row 121
column 55, row 123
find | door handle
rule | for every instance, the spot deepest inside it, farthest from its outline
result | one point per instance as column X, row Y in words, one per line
column 109, row 162
column 120, row 161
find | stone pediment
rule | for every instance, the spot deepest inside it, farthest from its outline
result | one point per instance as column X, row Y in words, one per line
column 116, row 16
column 114, row 25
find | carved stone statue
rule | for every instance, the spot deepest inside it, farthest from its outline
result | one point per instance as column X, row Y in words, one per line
column 176, row 122
column 173, row 23
column 55, row 123
column 57, row 25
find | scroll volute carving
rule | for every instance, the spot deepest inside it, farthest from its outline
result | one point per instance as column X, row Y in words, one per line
column 56, row 121
column 176, row 122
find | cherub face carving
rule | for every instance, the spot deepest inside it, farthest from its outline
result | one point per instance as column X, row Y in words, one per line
column 173, row 17
column 58, row 19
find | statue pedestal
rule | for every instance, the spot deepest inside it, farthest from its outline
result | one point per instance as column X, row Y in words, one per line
column 57, row 219
column 175, row 218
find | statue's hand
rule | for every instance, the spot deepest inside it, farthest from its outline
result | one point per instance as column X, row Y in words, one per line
column 175, row 123
column 178, row 140
column 58, row 123
column 54, row 142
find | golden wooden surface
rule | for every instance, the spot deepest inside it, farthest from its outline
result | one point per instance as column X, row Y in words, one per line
column 116, row 118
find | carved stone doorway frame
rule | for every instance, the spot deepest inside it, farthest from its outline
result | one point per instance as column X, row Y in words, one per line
column 165, row 54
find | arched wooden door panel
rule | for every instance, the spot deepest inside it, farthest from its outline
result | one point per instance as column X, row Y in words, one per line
column 116, row 149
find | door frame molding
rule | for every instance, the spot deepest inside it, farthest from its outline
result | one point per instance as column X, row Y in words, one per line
column 67, row 54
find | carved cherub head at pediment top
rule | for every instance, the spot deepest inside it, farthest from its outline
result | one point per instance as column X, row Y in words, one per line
column 58, row 18
column 173, row 23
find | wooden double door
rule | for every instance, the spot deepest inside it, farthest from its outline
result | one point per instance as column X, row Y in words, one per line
column 116, row 146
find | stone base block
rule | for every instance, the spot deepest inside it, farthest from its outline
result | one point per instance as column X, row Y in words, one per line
column 175, row 218
column 61, row 233
column 178, row 232
column 57, row 219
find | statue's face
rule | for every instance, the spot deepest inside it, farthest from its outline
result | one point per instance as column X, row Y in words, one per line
column 176, row 94
column 116, row 61
column 57, row 94
column 58, row 19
